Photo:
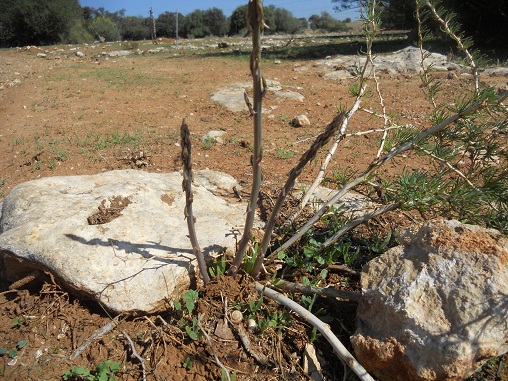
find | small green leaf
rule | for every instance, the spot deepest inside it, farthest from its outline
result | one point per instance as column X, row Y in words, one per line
column 191, row 333
column 16, row 323
column 115, row 366
column 13, row 353
column 80, row 371
column 3, row 351
column 189, row 297
column 22, row 343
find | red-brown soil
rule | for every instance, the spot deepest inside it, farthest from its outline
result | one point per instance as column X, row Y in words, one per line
column 64, row 115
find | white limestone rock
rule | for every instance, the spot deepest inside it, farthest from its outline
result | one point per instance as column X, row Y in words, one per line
column 436, row 307
column 136, row 262
column 300, row 121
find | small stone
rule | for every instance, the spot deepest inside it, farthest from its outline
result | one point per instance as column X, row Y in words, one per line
column 80, row 54
column 223, row 331
column 42, row 55
column 251, row 325
column 214, row 136
column 300, row 121
column 452, row 75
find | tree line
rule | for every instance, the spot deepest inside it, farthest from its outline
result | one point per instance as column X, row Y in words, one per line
column 35, row 22
column 483, row 21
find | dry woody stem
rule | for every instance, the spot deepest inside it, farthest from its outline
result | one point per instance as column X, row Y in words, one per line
column 255, row 25
column 187, row 188
column 320, row 141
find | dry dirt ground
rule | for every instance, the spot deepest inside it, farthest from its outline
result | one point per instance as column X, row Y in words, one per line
column 63, row 115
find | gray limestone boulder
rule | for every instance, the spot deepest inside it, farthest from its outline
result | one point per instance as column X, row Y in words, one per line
column 117, row 237
column 436, row 307
column 232, row 96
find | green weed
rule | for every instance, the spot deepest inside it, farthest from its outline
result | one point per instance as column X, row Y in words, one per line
column 14, row 351
column 105, row 371
column 285, row 153
column 187, row 321
column 187, row 364
column 218, row 268
column 208, row 142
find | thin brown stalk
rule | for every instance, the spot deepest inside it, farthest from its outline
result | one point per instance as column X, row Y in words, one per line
column 255, row 26
column 189, row 198
column 320, row 141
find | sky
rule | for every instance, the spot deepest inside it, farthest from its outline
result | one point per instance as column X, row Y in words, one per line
column 299, row 8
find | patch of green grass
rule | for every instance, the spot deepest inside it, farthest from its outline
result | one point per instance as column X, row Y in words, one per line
column 285, row 153
column 208, row 142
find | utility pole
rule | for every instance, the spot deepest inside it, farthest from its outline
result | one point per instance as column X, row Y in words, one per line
column 176, row 31
column 154, row 34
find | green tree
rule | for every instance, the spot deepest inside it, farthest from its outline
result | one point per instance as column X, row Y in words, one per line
column 237, row 21
column 284, row 21
column 327, row 23
column 103, row 26
column 215, row 21
column 484, row 21
column 25, row 22
column 135, row 28
column 166, row 24
column 193, row 25
column 78, row 34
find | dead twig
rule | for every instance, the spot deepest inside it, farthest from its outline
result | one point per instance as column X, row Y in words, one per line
column 187, row 187
column 96, row 335
column 255, row 25
column 26, row 280
column 314, row 290
column 339, row 349
column 320, row 141
column 244, row 337
column 135, row 354
column 209, row 340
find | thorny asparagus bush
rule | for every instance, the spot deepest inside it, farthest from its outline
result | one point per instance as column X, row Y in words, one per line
column 465, row 144
column 468, row 178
